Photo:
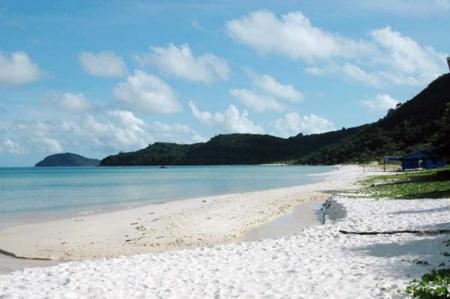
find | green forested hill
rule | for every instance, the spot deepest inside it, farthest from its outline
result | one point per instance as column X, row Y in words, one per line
column 418, row 123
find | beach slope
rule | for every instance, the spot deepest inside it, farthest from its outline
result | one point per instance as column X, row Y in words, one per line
column 159, row 227
column 319, row 262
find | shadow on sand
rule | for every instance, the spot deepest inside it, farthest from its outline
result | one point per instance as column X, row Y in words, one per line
column 414, row 257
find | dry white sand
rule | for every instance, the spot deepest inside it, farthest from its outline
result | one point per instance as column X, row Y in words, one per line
column 174, row 225
column 319, row 262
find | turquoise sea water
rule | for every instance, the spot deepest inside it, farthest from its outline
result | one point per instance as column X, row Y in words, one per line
column 31, row 193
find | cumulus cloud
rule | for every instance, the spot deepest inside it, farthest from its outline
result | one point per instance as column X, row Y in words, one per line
column 122, row 130
column 381, row 102
column 356, row 73
column 145, row 92
column 348, row 71
column 180, row 62
column 277, row 89
column 103, row 64
column 71, row 102
column 268, row 95
column 256, row 101
column 179, row 133
column 231, row 120
column 292, row 124
column 385, row 56
column 293, row 35
column 104, row 133
column 18, row 68
column 407, row 62
column 115, row 130
column 32, row 136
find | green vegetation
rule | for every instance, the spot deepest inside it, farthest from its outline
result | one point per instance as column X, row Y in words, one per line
column 415, row 125
column 433, row 183
column 433, row 285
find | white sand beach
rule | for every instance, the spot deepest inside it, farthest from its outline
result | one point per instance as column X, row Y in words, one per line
column 319, row 262
column 180, row 224
column 316, row 262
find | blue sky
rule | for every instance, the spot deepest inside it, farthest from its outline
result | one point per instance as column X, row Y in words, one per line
column 108, row 76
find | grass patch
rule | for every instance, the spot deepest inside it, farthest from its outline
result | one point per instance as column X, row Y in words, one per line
column 433, row 183
column 432, row 285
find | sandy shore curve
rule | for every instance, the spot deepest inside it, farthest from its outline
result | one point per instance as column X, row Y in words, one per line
column 183, row 224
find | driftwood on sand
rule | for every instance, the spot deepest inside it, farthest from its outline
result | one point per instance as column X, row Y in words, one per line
column 392, row 232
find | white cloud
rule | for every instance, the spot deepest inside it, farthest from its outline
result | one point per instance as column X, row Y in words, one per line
column 388, row 71
column 34, row 136
column 316, row 71
column 181, row 63
column 275, row 88
column 122, row 130
column 94, row 135
column 103, row 64
column 381, row 102
column 231, row 120
column 292, row 124
column 126, row 129
column 405, row 58
column 292, row 35
column 347, row 71
column 148, row 93
column 196, row 24
column 269, row 92
column 385, row 57
column 175, row 133
column 10, row 147
column 115, row 130
column 70, row 102
column 18, row 68
column 52, row 145
column 205, row 117
column 256, row 101
column 355, row 73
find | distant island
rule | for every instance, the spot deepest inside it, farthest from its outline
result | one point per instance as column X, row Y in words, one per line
column 68, row 160
column 417, row 124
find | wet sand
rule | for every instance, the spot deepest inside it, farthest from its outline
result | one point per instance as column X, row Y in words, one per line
column 305, row 214
column 10, row 264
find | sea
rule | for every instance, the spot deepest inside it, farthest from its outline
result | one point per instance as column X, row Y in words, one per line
column 30, row 194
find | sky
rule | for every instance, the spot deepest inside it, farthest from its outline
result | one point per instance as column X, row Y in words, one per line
column 100, row 77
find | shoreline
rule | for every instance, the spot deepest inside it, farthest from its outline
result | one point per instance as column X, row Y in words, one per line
column 303, row 215
column 184, row 224
column 27, row 217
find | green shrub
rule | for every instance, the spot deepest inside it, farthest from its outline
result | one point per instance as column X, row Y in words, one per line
column 433, row 285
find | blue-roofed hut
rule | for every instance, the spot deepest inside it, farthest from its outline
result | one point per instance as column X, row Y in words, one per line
column 424, row 159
